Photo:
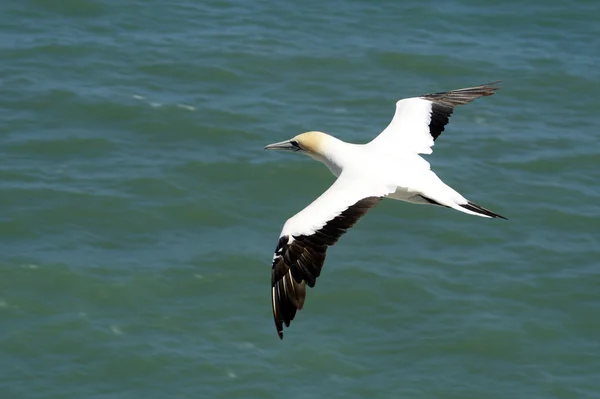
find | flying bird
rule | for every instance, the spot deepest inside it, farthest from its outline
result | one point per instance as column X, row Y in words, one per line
column 390, row 166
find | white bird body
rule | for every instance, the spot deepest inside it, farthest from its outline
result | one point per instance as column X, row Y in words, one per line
column 389, row 166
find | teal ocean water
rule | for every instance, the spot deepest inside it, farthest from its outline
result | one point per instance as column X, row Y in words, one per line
column 139, row 211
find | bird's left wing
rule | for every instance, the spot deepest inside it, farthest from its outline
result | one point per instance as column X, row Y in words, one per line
column 418, row 121
column 302, row 245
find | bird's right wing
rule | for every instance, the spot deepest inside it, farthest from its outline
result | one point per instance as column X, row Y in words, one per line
column 418, row 121
column 302, row 245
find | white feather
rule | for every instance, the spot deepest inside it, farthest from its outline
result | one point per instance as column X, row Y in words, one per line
column 346, row 191
column 409, row 129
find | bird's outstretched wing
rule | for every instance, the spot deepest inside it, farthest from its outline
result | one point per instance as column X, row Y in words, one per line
column 418, row 121
column 305, row 237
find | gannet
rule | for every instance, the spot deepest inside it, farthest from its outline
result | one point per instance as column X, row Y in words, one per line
column 390, row 166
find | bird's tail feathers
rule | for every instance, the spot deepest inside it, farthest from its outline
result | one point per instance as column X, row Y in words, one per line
column 474, row 209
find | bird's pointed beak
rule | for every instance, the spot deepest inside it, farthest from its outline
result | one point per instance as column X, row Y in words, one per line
column 282, row 146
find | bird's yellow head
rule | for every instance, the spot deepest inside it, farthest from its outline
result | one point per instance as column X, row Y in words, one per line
column 309, row 142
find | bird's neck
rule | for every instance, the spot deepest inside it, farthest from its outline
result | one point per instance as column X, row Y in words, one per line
column 336, row 154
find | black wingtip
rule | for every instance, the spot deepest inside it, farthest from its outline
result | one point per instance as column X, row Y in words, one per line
column 473, row 207
column 493, row 83
column 280, row 333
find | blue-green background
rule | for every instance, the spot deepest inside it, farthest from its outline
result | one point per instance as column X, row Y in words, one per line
column 139, row 211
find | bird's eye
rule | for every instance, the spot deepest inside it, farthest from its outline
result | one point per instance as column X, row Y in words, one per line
column 295, row 144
